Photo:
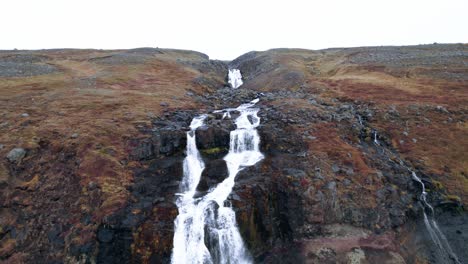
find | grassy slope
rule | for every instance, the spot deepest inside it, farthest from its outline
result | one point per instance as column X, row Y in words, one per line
column 419, row 96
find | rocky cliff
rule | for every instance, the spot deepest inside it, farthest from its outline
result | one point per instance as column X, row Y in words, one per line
column 92, row 144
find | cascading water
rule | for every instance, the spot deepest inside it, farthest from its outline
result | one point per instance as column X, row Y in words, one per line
column 208, row 218
column 235, row 78
column 435, row 233
column 189, row 236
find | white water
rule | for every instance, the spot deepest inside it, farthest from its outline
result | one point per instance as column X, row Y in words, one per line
column 360, row 120
column 375, row 138
column 431, row 225
column 206, row 229
column 436, row 235
column 235, row 78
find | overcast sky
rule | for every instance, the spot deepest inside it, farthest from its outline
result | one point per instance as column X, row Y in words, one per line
column 227, row 29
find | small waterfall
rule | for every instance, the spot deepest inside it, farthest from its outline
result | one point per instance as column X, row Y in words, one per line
column 435, row 233
column 206, row 229
column 235, row 78
column 189, row 239
column 376, row 141
column 360, row 120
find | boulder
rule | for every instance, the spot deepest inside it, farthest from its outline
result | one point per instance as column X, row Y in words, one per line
column 16, row 155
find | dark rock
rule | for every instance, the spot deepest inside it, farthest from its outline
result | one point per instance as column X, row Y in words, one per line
column 215, row 172
column 168, row 142
column 213, row 140
column 117, row 249
column 142, row 149
column 55, row 237
column 105, row 235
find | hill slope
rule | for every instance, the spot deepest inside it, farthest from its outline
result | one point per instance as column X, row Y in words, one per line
column 100, row 139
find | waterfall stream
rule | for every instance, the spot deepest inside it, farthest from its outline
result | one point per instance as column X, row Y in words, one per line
column 432, row 227
column 376, row 141
column 206, row 229
column 235, row 78
column 436, row 235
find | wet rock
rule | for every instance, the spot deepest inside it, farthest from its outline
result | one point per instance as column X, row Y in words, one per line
column 235, row 197
column 215, row 172
column 213, row 141
column 16, row 155
column 159, row 200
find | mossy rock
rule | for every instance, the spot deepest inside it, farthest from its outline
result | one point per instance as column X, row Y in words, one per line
column 215, row 152
column 437, row 184
column 453, row 198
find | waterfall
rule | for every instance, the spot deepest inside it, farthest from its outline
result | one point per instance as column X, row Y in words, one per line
column 189, row 236
column 432, row 227
column 436, row 235
column 376, row 141
column 206, row 229
column 235, row 78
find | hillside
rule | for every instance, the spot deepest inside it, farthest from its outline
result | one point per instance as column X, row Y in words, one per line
column 92, row 144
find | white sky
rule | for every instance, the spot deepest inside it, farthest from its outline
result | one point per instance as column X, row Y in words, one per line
column 227, row 29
